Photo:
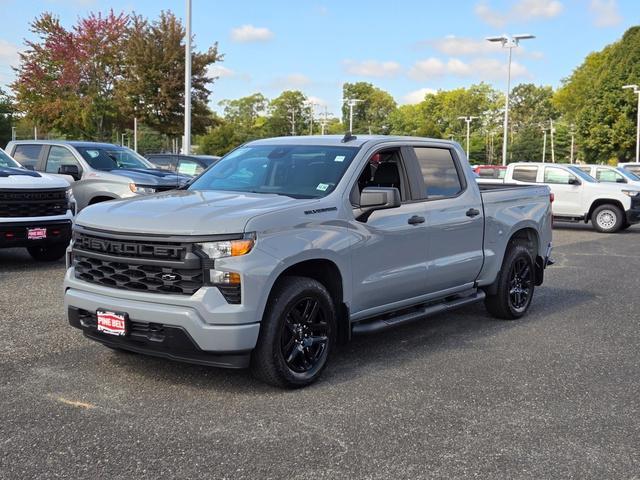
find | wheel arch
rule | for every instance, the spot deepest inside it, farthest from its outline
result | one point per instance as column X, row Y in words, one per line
column 604, row 201
column 100, row 198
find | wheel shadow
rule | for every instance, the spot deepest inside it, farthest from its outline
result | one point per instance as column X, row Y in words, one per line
column 18, row 259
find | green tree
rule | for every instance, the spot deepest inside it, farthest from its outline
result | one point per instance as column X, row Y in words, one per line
column 593, row 99
column 6, row 117
column 153, row 87
column 288, row 113
column 371, row 113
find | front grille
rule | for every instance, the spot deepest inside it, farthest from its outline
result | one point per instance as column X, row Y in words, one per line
column 33, row 203
column 130, row 248
column 129, row 275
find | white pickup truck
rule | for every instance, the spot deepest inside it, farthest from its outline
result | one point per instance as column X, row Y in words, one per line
column 36, row 211
column 610, row 207
column 608, row 174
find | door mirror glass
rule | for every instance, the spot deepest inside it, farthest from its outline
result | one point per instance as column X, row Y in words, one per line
column 377, row 198
column 573, row 181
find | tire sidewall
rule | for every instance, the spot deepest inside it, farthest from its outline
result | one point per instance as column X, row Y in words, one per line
column 519, row 252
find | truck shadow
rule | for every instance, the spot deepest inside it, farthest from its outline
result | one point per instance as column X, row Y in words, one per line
column 17, row 259
column 366, row 355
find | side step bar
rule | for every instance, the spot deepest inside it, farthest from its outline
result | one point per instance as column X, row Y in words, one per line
column 380, row 324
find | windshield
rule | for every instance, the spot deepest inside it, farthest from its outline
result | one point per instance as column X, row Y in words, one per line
column 112, row 158
column 584, row 176
column 629, row 174
column 299, row 171
column 7, row 162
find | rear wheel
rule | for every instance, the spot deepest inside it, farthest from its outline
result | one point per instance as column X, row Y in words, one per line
column 607, row 218
column 48, row 253
column 297, row 334
column 515, row 284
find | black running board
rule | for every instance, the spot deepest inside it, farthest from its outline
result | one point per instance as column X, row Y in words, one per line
column 386, row 322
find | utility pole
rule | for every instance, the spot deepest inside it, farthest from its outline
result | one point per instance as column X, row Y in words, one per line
column 292, row 111
column 135, row 134
column 324, row 121
column 510, row 43
column 544, row 144
column 312, row 110
column 13, row 133
column 636, row 90
column 186, row 145
column 122, row 140
column 35, row 133
column 573, row 134
column 351, row 102
column 468, row 120
column 553, row 151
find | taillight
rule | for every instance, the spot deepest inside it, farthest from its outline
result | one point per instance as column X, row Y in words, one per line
column 552, row 197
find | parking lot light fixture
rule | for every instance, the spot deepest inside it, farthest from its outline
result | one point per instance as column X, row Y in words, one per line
column 509, row 42
column 636, row 90
column 468, row 120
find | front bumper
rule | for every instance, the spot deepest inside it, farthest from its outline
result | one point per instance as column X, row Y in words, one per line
column 14, row 234
column 633, row 215
column 202, row 328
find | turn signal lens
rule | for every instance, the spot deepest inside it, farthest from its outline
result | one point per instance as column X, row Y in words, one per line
column 224, row 278
column 241, row 247
column 229, row 248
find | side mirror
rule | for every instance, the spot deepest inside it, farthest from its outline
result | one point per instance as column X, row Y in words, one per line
column 377, row 198
column 574, row 181
column 71, row 170
column 621, row 180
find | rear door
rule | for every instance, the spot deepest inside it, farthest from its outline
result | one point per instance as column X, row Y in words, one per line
column 29, row 156
column 454, row 218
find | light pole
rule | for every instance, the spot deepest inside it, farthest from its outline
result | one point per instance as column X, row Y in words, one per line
column 468, row 120
column 636, row 90
column 510, row 43
column 351, row 102
column 186, row 143
column 292, row 111
column 573, row 135
column 544, row 143
column 13, row 133
column 312, row 110
column 553, row 151
column 135, row 134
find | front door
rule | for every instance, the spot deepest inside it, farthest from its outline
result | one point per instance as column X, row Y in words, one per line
column 567, row 195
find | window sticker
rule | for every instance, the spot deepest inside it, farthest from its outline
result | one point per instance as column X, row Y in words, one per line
column 322, row 187
column 339, row 158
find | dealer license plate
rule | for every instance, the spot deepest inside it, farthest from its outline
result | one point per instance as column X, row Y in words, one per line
column 36, row 233
column 112, row 323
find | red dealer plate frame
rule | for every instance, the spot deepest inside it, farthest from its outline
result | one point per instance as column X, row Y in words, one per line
column 112, row 323
column 36, row 233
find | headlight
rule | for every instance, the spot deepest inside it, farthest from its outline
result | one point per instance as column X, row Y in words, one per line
column 140, row 189
column 69, row 194
column 229, row 248
column 631, row 193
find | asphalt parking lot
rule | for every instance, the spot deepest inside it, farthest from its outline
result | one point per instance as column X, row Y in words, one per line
column 554, row 395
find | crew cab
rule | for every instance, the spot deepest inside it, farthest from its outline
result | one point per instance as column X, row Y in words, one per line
column 36, row 211
column 610, row 207
column 633, row 167
column 289, row 245
column 97, row 171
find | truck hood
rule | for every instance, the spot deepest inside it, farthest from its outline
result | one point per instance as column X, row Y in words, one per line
column 13, row 178
column 183, row 212
column 152, row 177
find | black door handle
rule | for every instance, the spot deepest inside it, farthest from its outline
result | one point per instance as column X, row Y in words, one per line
column 415, row 220
column 472, row 212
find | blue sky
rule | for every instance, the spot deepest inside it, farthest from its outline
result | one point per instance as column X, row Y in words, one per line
column 405, row 47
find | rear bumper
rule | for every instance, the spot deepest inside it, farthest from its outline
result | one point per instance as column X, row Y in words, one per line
column 14, row 234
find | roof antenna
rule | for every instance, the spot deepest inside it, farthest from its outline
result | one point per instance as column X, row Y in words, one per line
column 348, row 137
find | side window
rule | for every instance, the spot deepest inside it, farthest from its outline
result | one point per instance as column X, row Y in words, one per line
column 525, row 174
column 441, row 178
column 606, row 175
column 558, row 175
column 164, row 162
column 384, row 169
column 27, row 155
column 189, row 167
column 59, row 156
column 486, row 172
column 586, row 169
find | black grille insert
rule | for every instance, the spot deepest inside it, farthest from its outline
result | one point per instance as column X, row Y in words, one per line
column 33, row 203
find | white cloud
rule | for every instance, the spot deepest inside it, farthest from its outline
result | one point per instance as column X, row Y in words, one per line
column 482, row 68
column 371, row 68
column 293, row 81
column 452, row 45
column 219, row 71
column 605, row 13
column 417, row 96
column 320, row 102
column 429, row 68
column 249, row 33
column 8, row 53
column 520, row 11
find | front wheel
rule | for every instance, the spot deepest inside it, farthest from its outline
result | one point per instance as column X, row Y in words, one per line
column 515, row 284
column 607, row 219
column 297, row 334
column 48, row 253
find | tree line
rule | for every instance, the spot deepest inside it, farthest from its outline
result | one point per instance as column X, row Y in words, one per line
column 90, row 81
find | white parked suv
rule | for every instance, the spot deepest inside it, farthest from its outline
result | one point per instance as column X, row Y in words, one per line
column 608, row 174
column 36, row 211
column 578, row 196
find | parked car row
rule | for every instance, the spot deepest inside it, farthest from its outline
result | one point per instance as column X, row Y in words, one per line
column 611, row 203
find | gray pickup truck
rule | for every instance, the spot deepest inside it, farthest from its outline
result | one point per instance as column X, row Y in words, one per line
column 289, row 245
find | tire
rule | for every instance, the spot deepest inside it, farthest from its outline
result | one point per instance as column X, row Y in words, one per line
column 513, row 295
column 625, row 225
column 49, row 253
column 607, row 218
column 297, row 334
